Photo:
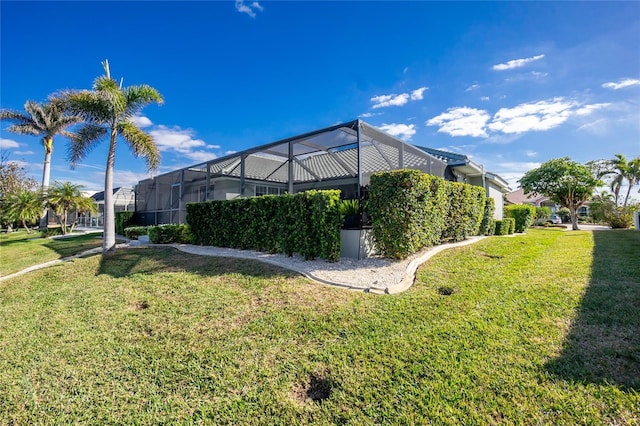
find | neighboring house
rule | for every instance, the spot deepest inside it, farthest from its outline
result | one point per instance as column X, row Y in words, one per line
column 342, row 157
column 123, row 200
column 519, row 197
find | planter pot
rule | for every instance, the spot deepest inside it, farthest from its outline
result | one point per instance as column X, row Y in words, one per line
column 356, row 243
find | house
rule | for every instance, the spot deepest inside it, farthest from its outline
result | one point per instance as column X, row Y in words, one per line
column 343, row 156
column 123, row 200
column 519, row 197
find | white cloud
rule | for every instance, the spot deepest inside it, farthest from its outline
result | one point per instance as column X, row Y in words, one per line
column 516, row 63
column 538, row 74
column 417, row 95
column 8, row 144
column 462, row 121
column 229, row 152
column 23, row 152
column 389, row 100
column 509, row 122
column 141, row 121
column 588, row 109
column 485, row 99
column 382, row 101
column 627, row 82
column 535, row 116
column 403, row 131
column 370, row 114
column 248, row 9
column 531, row 154
column 182, row 142
column 472, row 87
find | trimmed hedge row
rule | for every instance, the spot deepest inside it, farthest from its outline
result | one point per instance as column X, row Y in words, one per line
column 133, row 232
column 505, row 226
column 523, row 214
column 123, row 220
column 412, row 210
column 169, row 234
column 488, row 224
column 307, row 223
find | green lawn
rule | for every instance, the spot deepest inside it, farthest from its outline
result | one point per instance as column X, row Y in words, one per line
column 19, row 250
column 535, row 329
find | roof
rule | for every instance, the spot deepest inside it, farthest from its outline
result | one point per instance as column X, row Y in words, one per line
column 99, row 196
column 332, row 153
column 519, row 197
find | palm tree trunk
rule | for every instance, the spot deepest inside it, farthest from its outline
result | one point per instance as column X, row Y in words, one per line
column 46, row 175
column 109, row 242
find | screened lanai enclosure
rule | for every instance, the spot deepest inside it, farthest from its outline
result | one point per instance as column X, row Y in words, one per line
column 342, row 157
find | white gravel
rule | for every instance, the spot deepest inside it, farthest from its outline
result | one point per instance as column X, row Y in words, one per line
column 374, row 274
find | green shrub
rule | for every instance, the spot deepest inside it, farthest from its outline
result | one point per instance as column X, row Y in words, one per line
column 170, row 234
column 510, row 225
column 543, row 212
column 123, row 220
column 620, row 217
column 501, row 227
column 408, row 210
column 307, row 223
column 466, row 209
column 133, row 232
column 487, row 226
column 565, row 214
column 51, row 232
column 523, row 215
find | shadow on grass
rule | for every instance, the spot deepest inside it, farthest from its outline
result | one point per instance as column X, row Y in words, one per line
column 148, row 260
column 603, row 345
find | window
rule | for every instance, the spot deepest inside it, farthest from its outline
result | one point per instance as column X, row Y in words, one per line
column 268, row 190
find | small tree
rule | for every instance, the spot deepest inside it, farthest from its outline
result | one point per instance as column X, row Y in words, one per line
column 64, row 197
column 25, row 207
column 13, row 179
column 565, row 181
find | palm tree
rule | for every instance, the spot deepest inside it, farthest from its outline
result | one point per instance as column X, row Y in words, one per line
column 632, row 175
column 107, row 110
column 64, row 197
column 24, row 206
column 618, row 170
column 46, row 120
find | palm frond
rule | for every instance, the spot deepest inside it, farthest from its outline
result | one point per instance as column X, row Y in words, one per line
column 141, row 143
column 83, row 141
column 88, row 105
column 140, row 96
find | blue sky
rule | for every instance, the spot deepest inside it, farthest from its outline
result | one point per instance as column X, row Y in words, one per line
column 511, row 85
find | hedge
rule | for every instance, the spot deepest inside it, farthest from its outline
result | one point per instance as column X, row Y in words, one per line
column 411, row 210
column 466, row 208
column 523, row 215
column 133, row 232
column 502, row 227
column 123, row 220
column 169, row 234
column 487, row 226
column 307, row 223
column 408, row 210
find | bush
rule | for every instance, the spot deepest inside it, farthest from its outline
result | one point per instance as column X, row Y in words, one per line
column 487, row 226
column 543, row 212
column 170, row 234
column 523, row 216
column 501, row 227
column 408, row 210
column 411, row 210
column 133, row 232
column 123, row 220
column 465, row 212
column 620, row 217
column 51, row 232
column 565, row 214
column 307, row 223
column 510, row 224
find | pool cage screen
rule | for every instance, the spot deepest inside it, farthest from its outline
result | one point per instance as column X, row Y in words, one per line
column 342, row 157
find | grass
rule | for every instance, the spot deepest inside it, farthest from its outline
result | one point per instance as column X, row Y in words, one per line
column 535, row 329
column 19, row 250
